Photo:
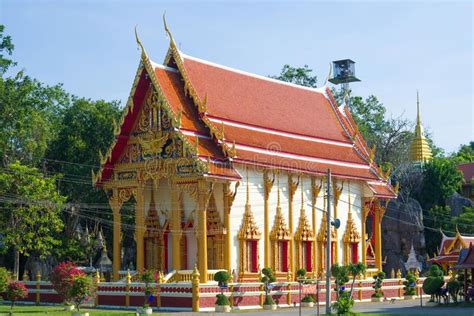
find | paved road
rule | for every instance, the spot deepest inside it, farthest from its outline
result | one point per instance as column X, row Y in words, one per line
column 397, row 308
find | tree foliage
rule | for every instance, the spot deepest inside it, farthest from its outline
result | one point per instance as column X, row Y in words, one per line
column 6, row 50
column 441, row 179
column 30, row 220
column 298, row 75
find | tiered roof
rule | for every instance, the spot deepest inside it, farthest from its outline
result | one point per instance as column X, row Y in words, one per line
column 234, row 117
column 450, row 248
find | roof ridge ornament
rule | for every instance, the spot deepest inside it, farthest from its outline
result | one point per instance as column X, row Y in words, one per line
column 139, row 42
column 167, row 30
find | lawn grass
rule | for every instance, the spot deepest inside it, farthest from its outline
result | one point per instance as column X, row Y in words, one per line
column 59, row 311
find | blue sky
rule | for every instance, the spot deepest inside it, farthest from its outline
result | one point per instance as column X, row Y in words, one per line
column 399, row 47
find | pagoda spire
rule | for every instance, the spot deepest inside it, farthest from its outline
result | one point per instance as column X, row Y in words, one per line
column 419, row 150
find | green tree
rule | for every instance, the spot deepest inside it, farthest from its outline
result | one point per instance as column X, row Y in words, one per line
column 465, row 221
column 298, row 75
column 441, row 179
column 465, row 154
column 28, row 112
column 6, row 49
column 31, row 206
column 85, row 129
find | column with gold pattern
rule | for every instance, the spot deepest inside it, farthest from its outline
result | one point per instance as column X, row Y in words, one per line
column 229, row 198
column 115, row 205
column 268, row 184
column 140, row 227
column 363, row 217
column 379, row 212
column 315, row 189
column 292, row 186
column 337, row 194
column 176, row 229
column 202, row 230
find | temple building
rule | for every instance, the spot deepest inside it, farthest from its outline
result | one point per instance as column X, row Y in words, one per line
column 226, row 170
column 420, row 151
column 449, row 250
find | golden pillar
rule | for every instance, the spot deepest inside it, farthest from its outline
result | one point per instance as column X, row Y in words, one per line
column 115, row 205
column 176, row 231
column 337, row 194
column 202, row 230
column 363, row 217
column 292, row 186
column 140, row 228
column 315, row 189
column 378, row 237
column 229, row 197
column 268, row 183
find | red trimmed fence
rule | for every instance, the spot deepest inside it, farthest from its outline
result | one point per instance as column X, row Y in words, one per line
column 179, row 296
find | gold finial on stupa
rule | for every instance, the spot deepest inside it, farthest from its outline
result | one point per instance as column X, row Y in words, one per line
column 420, row 151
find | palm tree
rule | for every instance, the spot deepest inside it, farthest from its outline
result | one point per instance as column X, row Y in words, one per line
column 356, row 270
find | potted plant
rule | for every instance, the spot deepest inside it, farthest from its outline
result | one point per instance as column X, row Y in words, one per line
column 307, row 301
column 15, row 290
column 377, row 286
column 82, row 288
column 266, row 279
column 222, row 302
column 433, row 283
column 409, row 286
column 61, row 279
column 147, row 277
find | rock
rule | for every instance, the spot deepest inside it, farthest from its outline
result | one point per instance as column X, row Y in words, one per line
column 457, row 203
column 402, row 225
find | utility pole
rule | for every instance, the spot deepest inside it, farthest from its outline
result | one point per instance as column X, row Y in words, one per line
column 328, row 245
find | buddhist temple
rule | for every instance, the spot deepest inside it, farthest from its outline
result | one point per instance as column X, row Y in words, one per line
column 449, row 250
column 226, row 170
column 420, row 151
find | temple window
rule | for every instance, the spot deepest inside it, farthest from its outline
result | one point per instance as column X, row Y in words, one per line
column 351, row 241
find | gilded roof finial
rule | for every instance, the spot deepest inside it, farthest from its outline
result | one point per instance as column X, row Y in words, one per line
column 139, row 42
column 167, row 30
column 418, row 118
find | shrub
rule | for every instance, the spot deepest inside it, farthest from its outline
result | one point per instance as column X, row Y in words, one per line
column 410, row 283
column 343, row 304
column 147, row 277
column 453, row 289
column 268, row 278
column 61, row 278
column 341, row 276
column 82, row 287
column 222, row 300
column 15, row 291
column 301, row 273
column 222, row 277
column 4, row 278
column 377, row 284
column 308, row 299
column 434, row 282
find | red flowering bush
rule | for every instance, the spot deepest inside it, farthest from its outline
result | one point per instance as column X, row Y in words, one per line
column 62, row 278
column 15, row 291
